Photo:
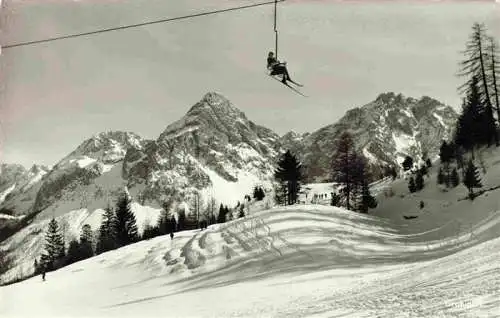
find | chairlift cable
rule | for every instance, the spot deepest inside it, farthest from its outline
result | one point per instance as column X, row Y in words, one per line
column 9, row 46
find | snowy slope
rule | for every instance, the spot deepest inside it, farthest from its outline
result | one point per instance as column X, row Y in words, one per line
column 28, row 244
column 303, row 261
column 442, row 207
column 299, row 261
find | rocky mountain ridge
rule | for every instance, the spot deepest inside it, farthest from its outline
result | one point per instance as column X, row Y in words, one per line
column 215, row 140
column 385, row 131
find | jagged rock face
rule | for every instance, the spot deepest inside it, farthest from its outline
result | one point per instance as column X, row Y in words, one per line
column 213, row 137
column 75, row 175
column 71, row 176
column 293, row 141
column 385, row 131
column 18, row 183
column 108, row 147
column 10, row 174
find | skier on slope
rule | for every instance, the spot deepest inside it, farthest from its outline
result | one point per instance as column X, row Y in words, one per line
column 277, row 68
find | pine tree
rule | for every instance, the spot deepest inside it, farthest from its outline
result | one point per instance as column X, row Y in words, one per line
column 54, row 246
column 126, row 227
column 86, row 242
column 470, row 130
column 107, row 232
column 165, row 224
column 407, row 163
column 343, row 165
column 150, row 232
column 191, row 222
column 196, row 203
column 454, row 178
column 360, row 174
column 241, row 213
column 440, row 176
column 229, row 215
column 221, row 217
column 472, row 179
column 419, row 182
column 262, row 194
column 258, row 194
column 255, row 192
column 459, row 157
column 74, row 252
column 428, row 162
column 367, row 200
column 335, row 199
column 210, row 211
column 445, row 153
column 474, row 67
column 493, row 70
column 181, row 219
column 289, row 173
column 411, row 185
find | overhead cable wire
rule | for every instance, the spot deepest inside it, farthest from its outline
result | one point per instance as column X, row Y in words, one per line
column 123, row 27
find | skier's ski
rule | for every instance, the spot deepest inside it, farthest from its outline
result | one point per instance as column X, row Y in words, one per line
column 289, row 86
column 299, row 85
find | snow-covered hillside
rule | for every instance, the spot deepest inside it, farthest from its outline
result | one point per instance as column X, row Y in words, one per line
column 444, row 208
column 300, row 261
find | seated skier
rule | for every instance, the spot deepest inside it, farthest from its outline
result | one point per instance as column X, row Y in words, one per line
column 277, row 68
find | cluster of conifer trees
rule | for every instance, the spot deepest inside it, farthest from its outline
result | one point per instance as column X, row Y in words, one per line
column 119, row 228
column 476, row 126
column 452, row 161
column 416, row 180
column 349, row 169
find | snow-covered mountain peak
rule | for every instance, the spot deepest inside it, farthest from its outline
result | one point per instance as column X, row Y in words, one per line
column 215, row 115
column 385, row 131
column 108, row 147
column 214, row 99
column 216, row 107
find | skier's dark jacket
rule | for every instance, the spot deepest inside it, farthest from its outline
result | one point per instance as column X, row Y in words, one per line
column 271, row 61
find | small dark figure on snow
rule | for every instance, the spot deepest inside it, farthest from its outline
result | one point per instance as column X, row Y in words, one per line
column 171, row 235
column 277, row 68
column 43, row 274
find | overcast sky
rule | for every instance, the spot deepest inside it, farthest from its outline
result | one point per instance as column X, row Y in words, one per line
column 57, row 94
